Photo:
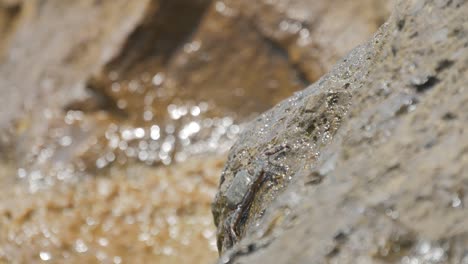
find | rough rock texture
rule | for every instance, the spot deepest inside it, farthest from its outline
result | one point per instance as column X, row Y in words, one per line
column 97, row 97
column 369, row 164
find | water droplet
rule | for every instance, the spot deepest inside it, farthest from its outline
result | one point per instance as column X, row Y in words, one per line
column 192, row 46
column 143, row 155
column 148, row 115
column 65, row 141
column 122, row 104
column 110, row 157
column 167, row 250
column 22, row 173
column 80, row 246
column 220, row 6
column 155, row 132
column 139, row 132
column 117, row 260
column 101, row 162
column 45, row 256
column 195, row 111
column 203, row 106
column 115, row 87
column 158, row 79
column 103, row 242
column 456, row 201
column 170, row 129
column 133, row 86
column 166, row 147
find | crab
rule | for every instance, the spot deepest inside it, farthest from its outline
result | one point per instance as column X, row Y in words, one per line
column 245, row 185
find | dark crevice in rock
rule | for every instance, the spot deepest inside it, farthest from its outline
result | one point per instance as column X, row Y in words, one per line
column 443, row 65
column 449, row 116
column 231, row 257
column 401, row 24
column 314, row 178
column 9, row 15
column 151, row 45
column 161, row 33
column 278, row 48
column 12, row 11
column 427, row 84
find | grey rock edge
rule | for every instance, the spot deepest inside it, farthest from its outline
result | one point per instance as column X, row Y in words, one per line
column 367, row 165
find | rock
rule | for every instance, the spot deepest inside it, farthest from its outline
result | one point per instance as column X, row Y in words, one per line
column 116, row 115
column 44, row 63
column 374, row 165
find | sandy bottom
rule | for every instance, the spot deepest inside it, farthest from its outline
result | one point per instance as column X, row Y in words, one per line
column 156, row 215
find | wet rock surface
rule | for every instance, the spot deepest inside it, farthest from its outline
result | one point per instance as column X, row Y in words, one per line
column 372, row 163
column 116, row 116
